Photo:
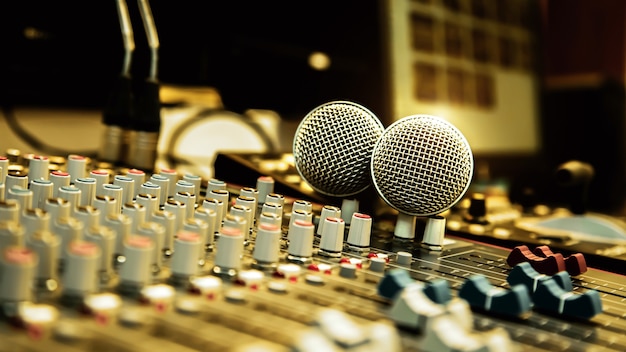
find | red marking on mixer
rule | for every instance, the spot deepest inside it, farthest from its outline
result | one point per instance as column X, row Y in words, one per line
column 268, row 227
column 266, row 178
column 136, row 172
column 60, row 173
column 362, row 216
column 18, row 255
column 35, row 331
column 139, row 241
column 102, row 318
column 84, row 248
column 230, row 231
column 40, row 157
column 188, row 236
column 100, row 172
column 304, row 223
column 77, row 157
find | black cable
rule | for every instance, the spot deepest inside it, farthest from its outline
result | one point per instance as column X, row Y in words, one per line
column 36, row 143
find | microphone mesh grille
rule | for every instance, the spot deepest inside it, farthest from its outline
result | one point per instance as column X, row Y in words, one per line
column 333, row 146
column 422, row 165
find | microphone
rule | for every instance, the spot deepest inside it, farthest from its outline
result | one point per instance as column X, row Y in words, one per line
column 421, row 166
column 146, row 123
column 332, row 150
column 119, row 108
column 333, row 145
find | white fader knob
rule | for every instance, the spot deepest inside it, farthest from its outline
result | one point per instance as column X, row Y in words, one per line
column 82, row 264
column 59, row 179
column 164, row 186
column 187, row 247
column 265, row 186
column 136, row 271
column 189, row 199
column 327, row 211
column 115, row 192
column 87, row 187
column 300, row 249
column 148, row 201
column 4, row 168
column 18, row 265
column 196, row 181
column 138, row 176
column 434, row 233
column 229, row 252
column 172, row 177
column 153, row 189
column 42, row 190
column 128, row 187
column 102, row 178
column 359, row 233
column 331, row 242
column 266, row 246
column 76, row 167
column 38, row 168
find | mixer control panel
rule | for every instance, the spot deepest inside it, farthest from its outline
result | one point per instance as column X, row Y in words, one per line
column 99, row 258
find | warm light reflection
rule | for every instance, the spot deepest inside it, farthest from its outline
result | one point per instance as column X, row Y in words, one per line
column 319, row 61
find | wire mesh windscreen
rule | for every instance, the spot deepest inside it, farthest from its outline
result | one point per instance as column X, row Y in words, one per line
column 422, row 165
column 333, row 146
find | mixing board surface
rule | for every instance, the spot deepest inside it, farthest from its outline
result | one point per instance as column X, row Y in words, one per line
column 184, row 264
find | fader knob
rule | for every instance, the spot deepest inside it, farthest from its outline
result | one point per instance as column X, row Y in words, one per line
column 38, row 168
column 138, row 176
column 128, row 187
column 187, row 248
column 76, row 167
column 300, row 249
column 189, row 199
column 229, row 252
column 327, row 211
column 164, row 186
column 359, row 233
column 267, row 245
column 102, row 178
column 481, row 294
column 18, row 267
column 331, row 241
column 82, row 263
column 59, row 179
column 172, row 177
column 87, row 187
column 265, row 186
column 196, row 181
column 136, row 271
column 214, row 184
column 42, row 190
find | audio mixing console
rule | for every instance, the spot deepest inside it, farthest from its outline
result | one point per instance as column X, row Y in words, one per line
column 102, row 258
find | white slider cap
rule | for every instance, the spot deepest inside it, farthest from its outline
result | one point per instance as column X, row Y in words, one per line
column 267, row 244
column 265, row 186
column 434, row 233
column 301, row 239
column 76, row 167
column 327, row 210
column 331, row 242
column 229, row 248
column 187, row 248
column 360, row 230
